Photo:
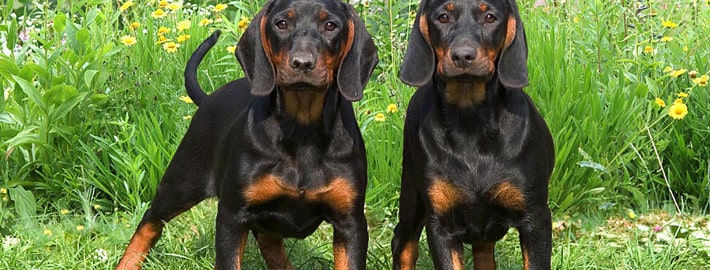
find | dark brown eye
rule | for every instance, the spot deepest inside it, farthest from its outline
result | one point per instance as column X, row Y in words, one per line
column 282, row 24
column 443, row 18
column 330, row 26
column 490, row 18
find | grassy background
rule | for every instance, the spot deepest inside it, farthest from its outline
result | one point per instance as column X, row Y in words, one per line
column 88, row 125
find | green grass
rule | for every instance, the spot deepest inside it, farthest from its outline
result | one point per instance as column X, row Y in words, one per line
column 88, row 123
column 593, row 240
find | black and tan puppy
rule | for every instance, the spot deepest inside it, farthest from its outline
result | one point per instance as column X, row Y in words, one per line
column 477, row 154
column 281, row 148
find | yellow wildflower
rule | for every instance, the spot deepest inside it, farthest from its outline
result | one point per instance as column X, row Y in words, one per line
column 97, row 207
column 64, row 211
column 183, row 25
column 134, row 25
column 220, row 7
column 128, row 40
column 677, row 73
column 231, row 49
column 158, row 14
column 162, row 3
column 186, row 99
column 682, row 95
column 126, row 5
column 660, row 102
column 648, row 49
column 243, row 23
column 685, row 48
column 392, row 108
column 171, row 47
column 666, row 39
column 204, row 22
column 163, row 30
column 3, row 191
column 79, row 228
column 575, row 19
column 678, row 100
column 669, row 24
column 631, row 214
column 47, row 232
column 668, row 70
column 380, row 117
column 183, row 38
column 702, row 80
column 678, row 111
column 162, row 39
column 187, row 117
column 174, row 6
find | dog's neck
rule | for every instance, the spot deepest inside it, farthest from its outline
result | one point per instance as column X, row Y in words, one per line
column 466, row 95
column 304, row 106
column 467, row 106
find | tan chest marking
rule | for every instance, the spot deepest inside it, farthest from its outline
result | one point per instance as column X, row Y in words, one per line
column 339, row 194
column 507, row 195
column 443, row 196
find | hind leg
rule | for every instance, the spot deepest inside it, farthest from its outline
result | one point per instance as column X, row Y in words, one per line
column 405, row 244
column 272, row 249
column 184, row 184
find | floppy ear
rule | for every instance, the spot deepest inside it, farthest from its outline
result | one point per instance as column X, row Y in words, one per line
column 512, row 65
column 251, row 54
column 418, row 65
column 360, row 58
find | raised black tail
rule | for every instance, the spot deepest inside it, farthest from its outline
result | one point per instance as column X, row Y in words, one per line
column 193, row 87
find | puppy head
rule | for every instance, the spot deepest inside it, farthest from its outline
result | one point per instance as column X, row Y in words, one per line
column 305, row 46
column 467, row 40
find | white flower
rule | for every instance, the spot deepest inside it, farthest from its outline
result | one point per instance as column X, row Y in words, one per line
column 10, row 241
column 101, row 255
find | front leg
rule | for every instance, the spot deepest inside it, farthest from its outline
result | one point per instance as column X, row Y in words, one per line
column 230, row 239
column 446, row 250
column 536, row 239
column 350, row 241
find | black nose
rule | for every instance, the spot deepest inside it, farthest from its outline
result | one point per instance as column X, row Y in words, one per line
column 463, row 56
column 303, row 61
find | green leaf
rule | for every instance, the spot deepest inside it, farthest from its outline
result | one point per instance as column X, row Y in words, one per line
column 58, row 94
column 9, row 8
column 91, row 16
column 109, row 50
column 593, row 165
column 567, row 202
column 89, row 77
column 25, row 204
column 60, row 22
column 26, row 136
column 67, row 106
column 7, row 118
column 30, row 69
column 8, row 67
column 31, row 92
column 12, row 39
column 72, row 40
column 82, row 35
column 98, row 98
